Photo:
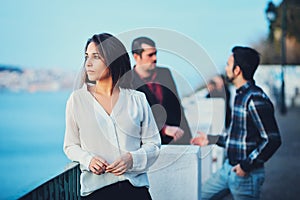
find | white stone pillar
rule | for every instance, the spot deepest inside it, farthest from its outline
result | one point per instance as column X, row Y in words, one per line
column 176, row 174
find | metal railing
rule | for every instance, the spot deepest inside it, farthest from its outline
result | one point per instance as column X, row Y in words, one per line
column 64, row 186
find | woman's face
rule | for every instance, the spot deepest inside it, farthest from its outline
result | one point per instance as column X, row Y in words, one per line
column 94, row 65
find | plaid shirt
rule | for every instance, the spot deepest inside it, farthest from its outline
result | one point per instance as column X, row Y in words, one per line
column 253, row 135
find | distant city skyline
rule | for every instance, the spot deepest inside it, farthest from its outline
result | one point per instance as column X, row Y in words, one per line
column 52, row 34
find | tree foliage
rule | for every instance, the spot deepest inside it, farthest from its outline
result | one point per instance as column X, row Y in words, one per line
column 270, row 48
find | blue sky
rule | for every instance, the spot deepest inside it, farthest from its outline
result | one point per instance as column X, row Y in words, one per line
column 48, row 34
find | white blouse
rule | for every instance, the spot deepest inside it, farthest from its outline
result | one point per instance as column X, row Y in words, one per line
column 91, row 131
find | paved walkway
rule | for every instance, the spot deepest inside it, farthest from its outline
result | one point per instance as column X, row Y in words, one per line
column 283, row 169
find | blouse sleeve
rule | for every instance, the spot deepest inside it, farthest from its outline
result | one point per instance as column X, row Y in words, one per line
column 72, row 144
column 147, row 154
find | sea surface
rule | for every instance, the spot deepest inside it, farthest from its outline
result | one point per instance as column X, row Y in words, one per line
column 31, row 140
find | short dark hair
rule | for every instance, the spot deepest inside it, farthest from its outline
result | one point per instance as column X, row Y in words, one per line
column 113, row 53
column 247, row 59
column 136, row 46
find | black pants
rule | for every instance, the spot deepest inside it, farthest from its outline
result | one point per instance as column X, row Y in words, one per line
column 120, row 190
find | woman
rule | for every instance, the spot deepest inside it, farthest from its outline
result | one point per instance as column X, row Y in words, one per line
column 110, row 130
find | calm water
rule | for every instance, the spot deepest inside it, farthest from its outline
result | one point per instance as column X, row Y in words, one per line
column 31, row 139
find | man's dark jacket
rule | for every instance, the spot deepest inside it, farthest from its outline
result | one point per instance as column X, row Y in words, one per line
column 170, row 112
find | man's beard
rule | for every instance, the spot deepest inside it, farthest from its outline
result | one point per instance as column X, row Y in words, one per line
column 151, row 67
column 229, row 79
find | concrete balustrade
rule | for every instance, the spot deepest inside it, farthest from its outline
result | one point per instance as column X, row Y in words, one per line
column 206, row 115
column 176, row 174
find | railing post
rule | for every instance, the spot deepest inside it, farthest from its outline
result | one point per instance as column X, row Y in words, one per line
column 64, row 186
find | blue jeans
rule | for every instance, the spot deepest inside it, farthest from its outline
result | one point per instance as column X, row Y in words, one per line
column 225, row 180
